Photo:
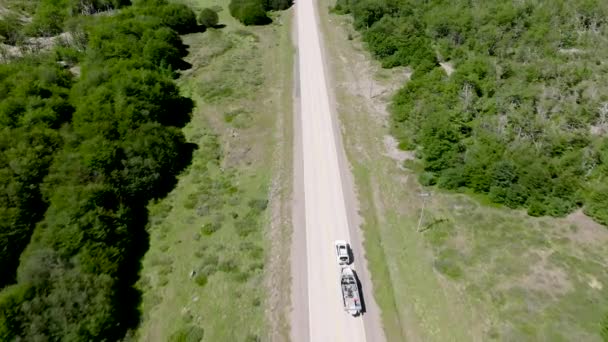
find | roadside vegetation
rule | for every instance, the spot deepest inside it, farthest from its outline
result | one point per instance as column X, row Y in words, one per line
column 95, row 127
column 256, row 12
column 90, row 132
column 523, row 117
column 208, row 268
column 494, row 89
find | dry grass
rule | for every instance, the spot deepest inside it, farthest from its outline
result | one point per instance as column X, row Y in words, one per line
column 212, row 240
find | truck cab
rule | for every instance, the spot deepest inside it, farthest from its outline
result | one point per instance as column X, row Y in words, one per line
column 342, row 254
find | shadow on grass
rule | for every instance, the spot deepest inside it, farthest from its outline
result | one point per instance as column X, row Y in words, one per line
column 128, row 298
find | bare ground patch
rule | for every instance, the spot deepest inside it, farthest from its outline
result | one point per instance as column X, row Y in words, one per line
column 545, row 277
column 393, row 151
column 586, row 231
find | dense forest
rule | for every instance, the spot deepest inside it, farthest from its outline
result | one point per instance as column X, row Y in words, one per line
column 507, row 99
column 523, row 118
column 89, row 133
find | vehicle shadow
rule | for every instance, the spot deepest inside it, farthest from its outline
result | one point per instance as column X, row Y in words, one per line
column 361, row 297
column 351, row 255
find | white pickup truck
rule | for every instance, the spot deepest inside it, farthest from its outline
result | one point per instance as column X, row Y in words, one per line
column 342, row 252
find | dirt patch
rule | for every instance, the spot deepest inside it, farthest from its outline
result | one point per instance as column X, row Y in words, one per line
column 447, row 67
column 8, row 52
column 461, row 244
column 75, row 70
column 598, row 130
column 594, row 283
column 33, row 46
column 392, row 150
column 572, row 51
column 585, row 230
column 546, row 278
column 367, row 79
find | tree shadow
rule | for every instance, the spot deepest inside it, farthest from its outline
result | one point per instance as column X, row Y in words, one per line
column 181, row 110
column 199, row 29
column 128, row 298
column 182, row 48
column 181, row 65
column 168, row 183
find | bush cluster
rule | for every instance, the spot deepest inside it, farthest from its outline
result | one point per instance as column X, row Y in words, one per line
column 254, row 12
column 94, row 151
column 515, row 120
column 208, row 17
column 33, row 105
column 51, row 15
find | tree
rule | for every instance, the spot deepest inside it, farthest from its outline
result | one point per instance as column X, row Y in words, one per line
column 249, row 12
column 366, row 13
column 179, row 17
column 208, row 17
column 49, row 18
column 11, row 29
column 78, row 163
column 277, row 5
column 597, row 203
column 88, row 7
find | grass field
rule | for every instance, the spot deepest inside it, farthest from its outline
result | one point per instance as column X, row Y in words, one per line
column 212, row 240
column 459, row 269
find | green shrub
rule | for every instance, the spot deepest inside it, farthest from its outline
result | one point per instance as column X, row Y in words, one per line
column 473, row 127
column 247, row 224
column 210, row 259
column 210, row 228
column 249, row 12
column 342, row 7
column 258, row 205
column 208, row 17
column 227, row 265
column 201, row 280
column 79, row 162
column 68, row 55
column 179, row 17
column 188, row 334
column 241, row 276
column 11, row 30
column 597, row 203
column 49, row 18
column 92, row 6
column 367, row 12
column 536, row 208
column 448, row 267
column 252, row 338
column 427, row 178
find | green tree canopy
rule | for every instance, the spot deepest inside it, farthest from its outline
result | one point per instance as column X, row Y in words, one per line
column 208, row 17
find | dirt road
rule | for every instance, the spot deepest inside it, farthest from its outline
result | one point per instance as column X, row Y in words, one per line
column 321, row 214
